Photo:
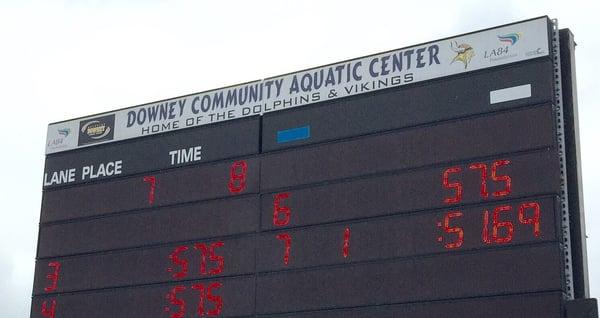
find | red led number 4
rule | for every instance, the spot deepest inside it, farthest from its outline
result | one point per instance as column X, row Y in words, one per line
column 237, row 176
column 49, row 308
column 451, row 181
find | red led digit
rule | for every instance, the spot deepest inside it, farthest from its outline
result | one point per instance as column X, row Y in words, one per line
column 346, row 247
column 483, row 168
column 151, row 180
column 183, row 263
column 535, row 219
column 503, row 178
column 201, row 296
column 497, row 224
column 53, row 277
column 460, row 235
column 173, row 300
column 210, row 251
column 485, row 235
column 237, row 176
column 50, row 311
column 279, row 210
column 216, row 300
column 456, row 186
column 287, row 240
column 220, row 260
column 203, row 252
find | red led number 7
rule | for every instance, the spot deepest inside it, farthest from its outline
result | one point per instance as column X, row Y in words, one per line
column 210, row 251
column 151, row 181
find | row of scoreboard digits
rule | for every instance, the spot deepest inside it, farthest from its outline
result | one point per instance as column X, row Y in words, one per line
column 359, row 115
column 415, row 190
column 506, row 223
column 485, row 136
column 423, row 279
column 162, row 189
column 547, row 305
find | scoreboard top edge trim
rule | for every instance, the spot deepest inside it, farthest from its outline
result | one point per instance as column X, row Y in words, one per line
column 452, row 58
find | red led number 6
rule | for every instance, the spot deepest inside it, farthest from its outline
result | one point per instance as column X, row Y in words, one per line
column 497, row 225
column 281, row 213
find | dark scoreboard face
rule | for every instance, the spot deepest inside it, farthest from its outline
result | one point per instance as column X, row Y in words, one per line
column 424, row 200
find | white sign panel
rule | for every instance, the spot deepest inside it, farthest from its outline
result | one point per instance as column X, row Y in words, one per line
column 461, row 54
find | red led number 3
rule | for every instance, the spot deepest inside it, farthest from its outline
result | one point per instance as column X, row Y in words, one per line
column 53, row 277
column 237, row 176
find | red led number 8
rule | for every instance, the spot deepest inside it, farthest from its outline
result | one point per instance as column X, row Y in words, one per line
column 237, row 176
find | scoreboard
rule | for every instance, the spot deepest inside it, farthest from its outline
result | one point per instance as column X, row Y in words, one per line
column 439, row 180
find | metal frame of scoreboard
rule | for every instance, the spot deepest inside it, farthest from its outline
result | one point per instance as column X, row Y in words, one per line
column 425, row 181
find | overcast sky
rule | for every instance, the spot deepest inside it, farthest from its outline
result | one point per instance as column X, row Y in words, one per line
column 65, row 59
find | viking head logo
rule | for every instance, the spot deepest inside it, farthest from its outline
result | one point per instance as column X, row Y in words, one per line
column 464, row 53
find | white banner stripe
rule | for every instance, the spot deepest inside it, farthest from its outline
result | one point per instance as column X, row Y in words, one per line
column 510, row 93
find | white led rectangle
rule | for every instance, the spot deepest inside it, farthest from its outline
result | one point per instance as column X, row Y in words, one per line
column 510, row 93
